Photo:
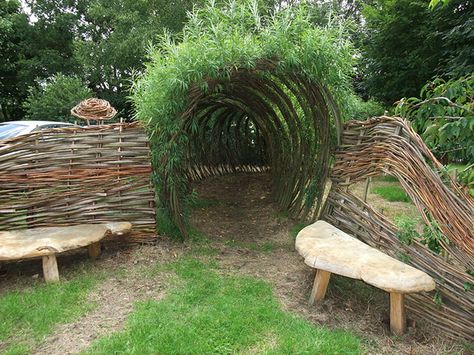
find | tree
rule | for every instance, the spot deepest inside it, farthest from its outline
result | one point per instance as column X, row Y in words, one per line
column 407, row 44
column 444, row 116
column 115, row 38
column 455, row 30
column 50, row 46
column 13, row 31
column 399, row 53
column 53, row 99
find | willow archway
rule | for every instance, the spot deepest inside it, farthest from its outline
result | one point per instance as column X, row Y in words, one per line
column 241, row 88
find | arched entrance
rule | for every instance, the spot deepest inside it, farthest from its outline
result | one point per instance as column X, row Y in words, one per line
column 241, row 88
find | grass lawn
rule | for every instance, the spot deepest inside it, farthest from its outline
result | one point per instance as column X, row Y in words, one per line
column 210, row 313
column 392, row 193
column 27, row 316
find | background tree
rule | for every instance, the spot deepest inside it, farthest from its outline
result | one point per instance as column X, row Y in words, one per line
column 406, row 44
column 53, row 99
column 444, row 116
column 115, row 38
column 399, row 53
column 13, row 31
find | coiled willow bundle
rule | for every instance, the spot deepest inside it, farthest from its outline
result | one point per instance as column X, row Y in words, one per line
column 94, row 109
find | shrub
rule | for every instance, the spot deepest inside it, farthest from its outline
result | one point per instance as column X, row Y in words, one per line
column 362, row 110
column 444, row 117
column 54, row 99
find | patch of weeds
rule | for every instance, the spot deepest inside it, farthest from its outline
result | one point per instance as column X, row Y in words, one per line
column 267, row 247
column 431, row 236
column 468, row 347
column 152, row 271
column 282, row 216
column 121, row 272
column 392, row 193
column 201, row 244
column 198, row 237
column 438, row 299
column 196, row 202
column 211, row 313
column 27, row 316
column 406, row 229
column 165, row 224
column 204, row 250
column 404, row 258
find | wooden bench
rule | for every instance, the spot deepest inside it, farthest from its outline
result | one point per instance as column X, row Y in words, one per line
column 49, row 241
column 330, row 250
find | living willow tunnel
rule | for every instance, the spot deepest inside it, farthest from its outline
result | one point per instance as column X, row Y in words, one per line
column 261, row 119
column 240, row 88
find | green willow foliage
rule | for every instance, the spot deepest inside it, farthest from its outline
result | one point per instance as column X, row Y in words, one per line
column 216, row 43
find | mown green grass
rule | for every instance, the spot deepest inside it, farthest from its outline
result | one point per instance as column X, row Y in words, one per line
column 27, row 316
column 392, row 193
column 209, row 313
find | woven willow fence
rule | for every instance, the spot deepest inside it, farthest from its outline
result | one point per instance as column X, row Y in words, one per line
column 388, row 145
column 78, row 175
column 199, row 172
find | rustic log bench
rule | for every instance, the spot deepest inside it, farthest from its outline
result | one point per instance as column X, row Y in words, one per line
column 49, row 241
column 330, row 250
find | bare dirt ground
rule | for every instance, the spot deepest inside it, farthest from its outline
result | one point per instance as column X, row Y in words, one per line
column 240, row 227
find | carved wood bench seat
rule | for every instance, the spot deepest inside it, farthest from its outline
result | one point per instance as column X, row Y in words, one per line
column 330, row 250
column 48, row 241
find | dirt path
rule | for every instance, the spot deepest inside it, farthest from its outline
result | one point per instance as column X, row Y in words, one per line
column 240, row 228
column 243, row 215
column 114, row 301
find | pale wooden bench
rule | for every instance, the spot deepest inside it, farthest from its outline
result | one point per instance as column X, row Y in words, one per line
column 330, row 250
column 49, row 241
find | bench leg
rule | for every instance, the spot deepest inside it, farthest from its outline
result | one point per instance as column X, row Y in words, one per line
column 94, row 250
column 398, row 322
column 50, row 268
column 320, row 285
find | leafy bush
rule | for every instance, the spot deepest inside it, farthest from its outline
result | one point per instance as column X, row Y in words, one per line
column 444, row 116
column 54, row 99
column 362, row 110
column 406, row 229
column 431, row 236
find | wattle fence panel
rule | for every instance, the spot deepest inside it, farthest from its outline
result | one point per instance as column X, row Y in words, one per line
column 78, row 175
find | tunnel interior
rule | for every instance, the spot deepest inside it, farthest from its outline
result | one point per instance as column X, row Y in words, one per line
column 255, row 117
